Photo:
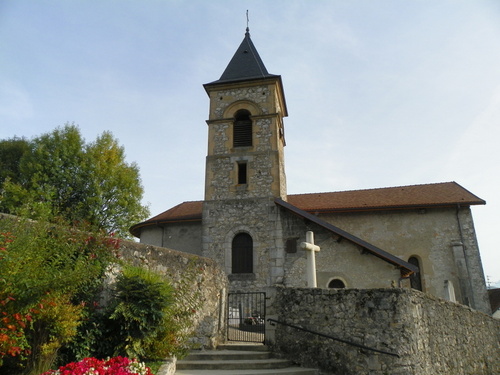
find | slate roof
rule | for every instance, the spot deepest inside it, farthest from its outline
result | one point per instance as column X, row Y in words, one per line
column 446, row 194
column 245, row 65
column 405, row 267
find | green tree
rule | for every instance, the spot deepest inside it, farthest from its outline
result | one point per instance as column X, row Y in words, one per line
column 59, row 174
column 11, row 151
column 113, row 194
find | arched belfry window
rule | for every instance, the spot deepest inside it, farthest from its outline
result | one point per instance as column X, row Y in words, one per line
column 416, row 277
column 242, row 129
column 242, row 254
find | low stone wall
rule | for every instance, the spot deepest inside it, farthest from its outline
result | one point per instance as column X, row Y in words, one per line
column 431, row 336
column 201, row 276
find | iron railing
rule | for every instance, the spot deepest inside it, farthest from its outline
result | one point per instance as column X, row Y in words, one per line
column 274, row 321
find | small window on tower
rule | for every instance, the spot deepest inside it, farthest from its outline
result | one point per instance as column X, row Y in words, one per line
column 242, row 129
column 242, row 173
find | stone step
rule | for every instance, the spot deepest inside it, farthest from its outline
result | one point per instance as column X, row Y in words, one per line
column 236, row 359
column 288, row 371
column 244, row 346
column 226, row 354
column 233, row 364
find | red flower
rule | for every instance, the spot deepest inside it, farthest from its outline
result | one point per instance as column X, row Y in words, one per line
column 112, row 366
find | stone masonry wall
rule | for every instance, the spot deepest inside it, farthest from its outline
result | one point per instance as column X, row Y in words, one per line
column 236, row 205
column 431, row 336
column 430, row 235
column 208, row 281
column 257, row 217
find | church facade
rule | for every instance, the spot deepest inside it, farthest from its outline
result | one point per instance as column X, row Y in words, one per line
column 419, row 236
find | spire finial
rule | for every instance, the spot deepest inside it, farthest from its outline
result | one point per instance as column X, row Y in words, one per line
column 248, row 29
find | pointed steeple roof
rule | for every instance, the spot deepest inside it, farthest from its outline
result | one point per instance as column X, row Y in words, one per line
column 246, row 64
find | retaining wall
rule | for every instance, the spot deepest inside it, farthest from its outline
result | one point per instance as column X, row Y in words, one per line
column 205, row 280
column 431, row 336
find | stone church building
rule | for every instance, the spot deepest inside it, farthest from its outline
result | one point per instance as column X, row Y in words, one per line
column 419, row 236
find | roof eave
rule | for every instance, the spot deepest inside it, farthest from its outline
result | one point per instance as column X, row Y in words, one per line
column 238, row 80
column 390, row 208
column 270, row 77
column 134, row 230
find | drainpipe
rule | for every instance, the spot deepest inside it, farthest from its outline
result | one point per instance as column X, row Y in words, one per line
column 469, row 291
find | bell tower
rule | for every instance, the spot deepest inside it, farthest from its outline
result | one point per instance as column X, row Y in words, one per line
column 244, row 169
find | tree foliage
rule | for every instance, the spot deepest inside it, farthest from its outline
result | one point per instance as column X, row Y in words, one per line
column 11, row 151
column 58, row 174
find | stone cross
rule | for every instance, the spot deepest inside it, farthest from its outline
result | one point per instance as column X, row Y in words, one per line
column 311, row 249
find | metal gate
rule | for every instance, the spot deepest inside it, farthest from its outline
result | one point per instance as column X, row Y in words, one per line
column 246, row 317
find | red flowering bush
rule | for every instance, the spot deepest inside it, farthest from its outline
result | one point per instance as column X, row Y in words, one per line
column 12, row 324
column 47, row 273
column 93, row 366
column 12, row 338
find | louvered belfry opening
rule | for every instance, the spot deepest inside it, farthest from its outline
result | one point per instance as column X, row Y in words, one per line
column 242, row 129
column 242, row 253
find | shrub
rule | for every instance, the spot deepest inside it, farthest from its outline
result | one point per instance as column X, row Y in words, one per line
column 139, row 312
column 177, row 329
column 145, row 318
column 45, row 271
column 13, row 341
column 52, row 280
column 55, row 325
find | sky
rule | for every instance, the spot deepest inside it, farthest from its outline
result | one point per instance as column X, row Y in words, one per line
column 379, row 92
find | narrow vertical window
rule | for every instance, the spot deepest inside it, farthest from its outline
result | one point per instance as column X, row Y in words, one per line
column 242, row 173
column 242, row 253
column 242, row 129
column 291, row 245
column 415, row 278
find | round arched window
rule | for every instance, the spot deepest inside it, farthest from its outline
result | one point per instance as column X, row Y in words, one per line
column 242, row 253
column 416, row 277
column 336, row 284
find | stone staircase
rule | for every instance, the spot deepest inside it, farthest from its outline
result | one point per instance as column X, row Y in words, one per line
column 236, row 359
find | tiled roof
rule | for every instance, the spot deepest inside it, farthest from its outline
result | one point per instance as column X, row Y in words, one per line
column 414, row 196
column 181, row 212
column 186, row 211
column 428, row 195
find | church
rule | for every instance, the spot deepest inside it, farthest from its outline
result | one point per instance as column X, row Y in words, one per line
column 418, row 236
